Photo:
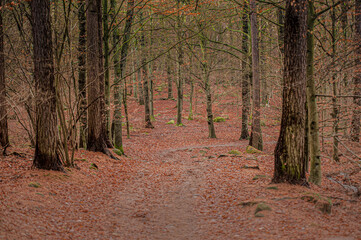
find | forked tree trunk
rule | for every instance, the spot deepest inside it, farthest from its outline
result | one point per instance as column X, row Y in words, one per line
column 290, row 161
column 46, row 146
column 4, row 135
column 356, row 125
column 256, row 134
column 97, row 130
column 82, row 74
column 246, row 97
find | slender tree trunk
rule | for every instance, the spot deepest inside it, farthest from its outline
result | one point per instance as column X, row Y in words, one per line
column 313, row 129
column 335, row 107
column 256, row 134
column 46, row 146
column 82, row 74
column 190, row 115
column 246, row 97
column 179, row 70
column 281, row 30
column 169, row 76
column 356, row 116
column 97, row 127
column 148, row 123
column 4, row 135
column 117, row 116
column 290, row 161
column 140, row 86
column 106, row 63
column 134, row 77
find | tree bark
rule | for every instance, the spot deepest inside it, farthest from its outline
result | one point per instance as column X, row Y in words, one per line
column 290, row 161
column 4, row 132
column 97, row 129
column 82, row 74
column 169, row 76
column 148, row 123
column 246, row 97
column 256, row 134
column 106, row 55
column 356, row 116
column 313, row 129
column 46, row 145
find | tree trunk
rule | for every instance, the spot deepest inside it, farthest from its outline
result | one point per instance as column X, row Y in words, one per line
column 335, row 108
column 246, row 97
column 106, row 63
column 148, row 123
column 97, row 127
column 256, row 134
column 82, row 74
column 46, row 146
column 179, row 70
column 4, row 135
column 117, row 116
column 290, row 162
column 313, row 129
column 356, row 116
column 169, row 76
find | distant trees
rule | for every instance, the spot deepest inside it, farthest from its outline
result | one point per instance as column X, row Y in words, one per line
column 290, row 158
column 46, row 146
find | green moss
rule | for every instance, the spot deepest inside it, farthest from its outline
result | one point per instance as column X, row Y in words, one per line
column 34, row 185
column 219, row 119
column 171, row 122
column 262, row 207
column 252, row 150
column 235, row 152
column 119, row 152
column 93, row 166
column 259, row 176
column 180, row 125
column 273, row 187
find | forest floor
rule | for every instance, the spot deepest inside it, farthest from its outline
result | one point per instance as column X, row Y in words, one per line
column 175, row 183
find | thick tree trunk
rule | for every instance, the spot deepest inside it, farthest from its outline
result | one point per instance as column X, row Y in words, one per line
column 313, row 129
column 46, row 146
column 256, row 134
column 97, row 129
column 82, row 74
column 356, row 125
column 290, row 161
column 4, row 135
column 246, row 96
